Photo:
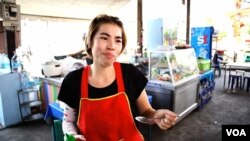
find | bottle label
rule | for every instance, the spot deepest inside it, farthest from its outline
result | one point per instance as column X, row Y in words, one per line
column 15, row 66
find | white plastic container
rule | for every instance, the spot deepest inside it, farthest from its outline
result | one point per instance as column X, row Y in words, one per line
column 52, row 69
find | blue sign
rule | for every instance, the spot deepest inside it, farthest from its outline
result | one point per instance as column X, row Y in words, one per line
column 201, row 41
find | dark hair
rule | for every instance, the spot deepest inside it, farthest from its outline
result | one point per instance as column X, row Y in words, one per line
column 94, row 27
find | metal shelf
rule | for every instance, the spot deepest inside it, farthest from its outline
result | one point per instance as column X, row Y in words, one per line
column 31, row 103
column 30, row 89
column 32, row 117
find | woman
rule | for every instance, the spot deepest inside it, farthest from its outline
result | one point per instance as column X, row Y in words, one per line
column 103, row 98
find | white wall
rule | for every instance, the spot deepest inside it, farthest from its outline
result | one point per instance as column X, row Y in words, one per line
column 46, row 38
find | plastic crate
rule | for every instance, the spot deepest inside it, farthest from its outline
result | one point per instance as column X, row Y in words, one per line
column 57, row 130
column 212, row 85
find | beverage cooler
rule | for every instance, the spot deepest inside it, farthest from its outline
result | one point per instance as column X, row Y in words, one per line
column 173, row 80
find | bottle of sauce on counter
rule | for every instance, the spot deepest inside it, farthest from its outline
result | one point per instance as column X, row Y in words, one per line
column 15, row 63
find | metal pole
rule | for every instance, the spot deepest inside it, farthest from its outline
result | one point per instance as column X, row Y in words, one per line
column 188, row 21
column 139, row 26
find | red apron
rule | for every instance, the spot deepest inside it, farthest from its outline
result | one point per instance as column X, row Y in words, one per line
column 108, row 118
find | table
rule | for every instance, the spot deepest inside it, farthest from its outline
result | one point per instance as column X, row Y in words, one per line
column 224, row 63
column 235, row 66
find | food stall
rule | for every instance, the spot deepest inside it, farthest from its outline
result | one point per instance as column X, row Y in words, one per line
column 173, row 80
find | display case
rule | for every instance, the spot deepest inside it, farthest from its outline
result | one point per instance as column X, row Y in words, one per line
column 173, row 66
column 173, row 80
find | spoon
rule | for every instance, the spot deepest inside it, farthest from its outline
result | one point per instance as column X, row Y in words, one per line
column 145, row 120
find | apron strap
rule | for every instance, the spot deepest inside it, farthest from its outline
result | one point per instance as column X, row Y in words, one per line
column 84, row 83
column 118, row 75
column 119, row 78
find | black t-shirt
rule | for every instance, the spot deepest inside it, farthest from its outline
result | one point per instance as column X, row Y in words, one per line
column 134, row 83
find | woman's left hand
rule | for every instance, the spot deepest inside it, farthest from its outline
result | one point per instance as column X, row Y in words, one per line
column 168, row 118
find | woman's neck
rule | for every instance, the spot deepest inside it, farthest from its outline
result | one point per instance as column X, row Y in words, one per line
column 101, row 76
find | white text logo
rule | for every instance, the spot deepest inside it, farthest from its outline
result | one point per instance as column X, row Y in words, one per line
column 236, row 132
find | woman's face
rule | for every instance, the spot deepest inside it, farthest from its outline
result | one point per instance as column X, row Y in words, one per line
column 107, row 44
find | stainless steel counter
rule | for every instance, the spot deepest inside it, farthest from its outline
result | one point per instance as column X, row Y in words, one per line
column 57, row 81
column 180, row 98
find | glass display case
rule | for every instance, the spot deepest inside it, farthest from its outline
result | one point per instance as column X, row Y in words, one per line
column 173, row 66
column 174, row 80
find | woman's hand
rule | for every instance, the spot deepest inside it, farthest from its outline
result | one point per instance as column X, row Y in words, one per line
column 69, row 124
column 79, row 138
column 69, row 137
column 168, row 118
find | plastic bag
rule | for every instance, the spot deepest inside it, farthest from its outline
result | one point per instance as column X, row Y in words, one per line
column 70, row 137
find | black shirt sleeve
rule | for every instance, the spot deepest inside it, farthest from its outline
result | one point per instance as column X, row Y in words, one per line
column 134, row 82
column 70, row 90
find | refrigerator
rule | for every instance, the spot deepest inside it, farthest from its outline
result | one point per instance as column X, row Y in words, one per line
column 161, row 32
column 9, row 105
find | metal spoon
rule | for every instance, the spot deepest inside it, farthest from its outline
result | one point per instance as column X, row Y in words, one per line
column 145, row 120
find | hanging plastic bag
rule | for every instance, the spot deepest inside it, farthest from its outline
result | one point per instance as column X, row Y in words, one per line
column 70, row 137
